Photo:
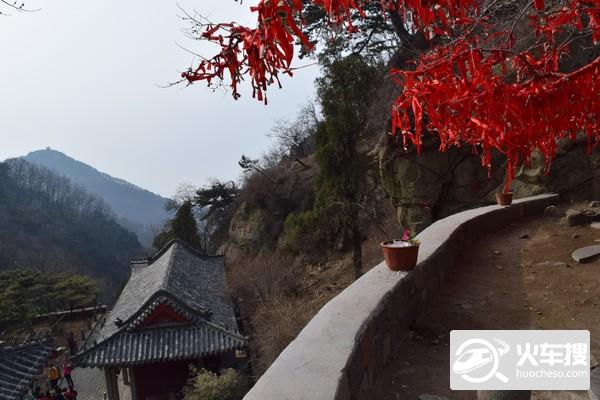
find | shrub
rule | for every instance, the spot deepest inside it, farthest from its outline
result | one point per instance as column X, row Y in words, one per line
column 26, row 292
column 267, row 276
column 277, row 322
column 206, row 385
column 302, row 232
column 267, row 289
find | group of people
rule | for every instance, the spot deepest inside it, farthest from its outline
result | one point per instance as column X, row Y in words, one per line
column 55, row 394
column 55, row 390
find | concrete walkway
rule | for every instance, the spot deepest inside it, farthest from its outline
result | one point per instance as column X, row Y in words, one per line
column 89, row 383
column 519, row 277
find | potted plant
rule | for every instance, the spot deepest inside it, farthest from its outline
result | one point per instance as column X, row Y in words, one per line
column 401, row 254
column 505, row 198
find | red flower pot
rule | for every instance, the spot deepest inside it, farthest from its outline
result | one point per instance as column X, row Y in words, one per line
column 504, row 199
column 400, row 257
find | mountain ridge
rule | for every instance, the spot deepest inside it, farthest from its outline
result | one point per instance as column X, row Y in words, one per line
column 50, row 225
column 136, row 208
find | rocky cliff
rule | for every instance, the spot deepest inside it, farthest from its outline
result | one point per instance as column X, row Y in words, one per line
column 279, row 291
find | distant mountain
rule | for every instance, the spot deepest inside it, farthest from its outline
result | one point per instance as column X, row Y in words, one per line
column 49, row 224
column 137, row 209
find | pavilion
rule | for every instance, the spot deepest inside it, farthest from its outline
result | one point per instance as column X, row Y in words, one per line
column 175, row 311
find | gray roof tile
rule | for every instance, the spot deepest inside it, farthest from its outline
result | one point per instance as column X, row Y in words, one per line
column 191, row 284
column 195, row 279
column 20, row 365
column 151, row 345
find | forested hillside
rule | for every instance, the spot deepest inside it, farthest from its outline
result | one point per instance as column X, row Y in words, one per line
column 49, row 224
column 137, row 209
column 25, row 293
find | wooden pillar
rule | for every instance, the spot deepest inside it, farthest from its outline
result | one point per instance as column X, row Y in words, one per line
column 112, row 385
column 133, row 384
column 125, row 372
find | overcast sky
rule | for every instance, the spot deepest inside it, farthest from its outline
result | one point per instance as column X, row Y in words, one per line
column 81, row 77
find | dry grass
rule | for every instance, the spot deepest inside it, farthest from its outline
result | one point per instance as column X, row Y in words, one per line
column 275, row 323
column 265, row 277
column 266, row 289
column 279, row 293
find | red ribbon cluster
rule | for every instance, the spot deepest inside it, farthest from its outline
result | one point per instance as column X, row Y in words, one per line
column 470, row 92
column 260, row 53
column 465, row 95
column 266, row 51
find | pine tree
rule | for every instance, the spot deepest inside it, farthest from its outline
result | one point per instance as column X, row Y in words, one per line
column 334, row 219
column 183, row 227
column 344, row 94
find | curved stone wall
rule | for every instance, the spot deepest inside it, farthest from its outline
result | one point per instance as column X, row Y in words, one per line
column 336, row 355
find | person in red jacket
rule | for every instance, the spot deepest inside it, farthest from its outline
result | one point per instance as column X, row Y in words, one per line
column 66, row 369
column 70, row 394
column 57, row 394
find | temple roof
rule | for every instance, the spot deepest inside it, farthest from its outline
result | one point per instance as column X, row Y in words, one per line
column 20, row 365
column 190, row 284
column 161, row 344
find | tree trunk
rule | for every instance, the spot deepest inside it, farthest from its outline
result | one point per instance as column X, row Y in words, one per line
column 299, row 161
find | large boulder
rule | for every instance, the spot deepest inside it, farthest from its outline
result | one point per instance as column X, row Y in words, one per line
column 577, row 217
column 573, row 173
column 432, row 185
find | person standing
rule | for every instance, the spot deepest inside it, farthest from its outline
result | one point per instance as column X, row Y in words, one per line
column 53, row 376
column 72, row 343
column 66, row 370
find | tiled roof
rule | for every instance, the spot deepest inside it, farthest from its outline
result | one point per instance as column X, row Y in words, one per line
column 20, row 365
column 150, row 345
column 187, row 282
column 196, row 280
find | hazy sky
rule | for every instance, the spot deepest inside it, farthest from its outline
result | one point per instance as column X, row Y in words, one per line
column 81, row 77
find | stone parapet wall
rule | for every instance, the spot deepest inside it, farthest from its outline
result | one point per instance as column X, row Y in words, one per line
column 338, row 353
